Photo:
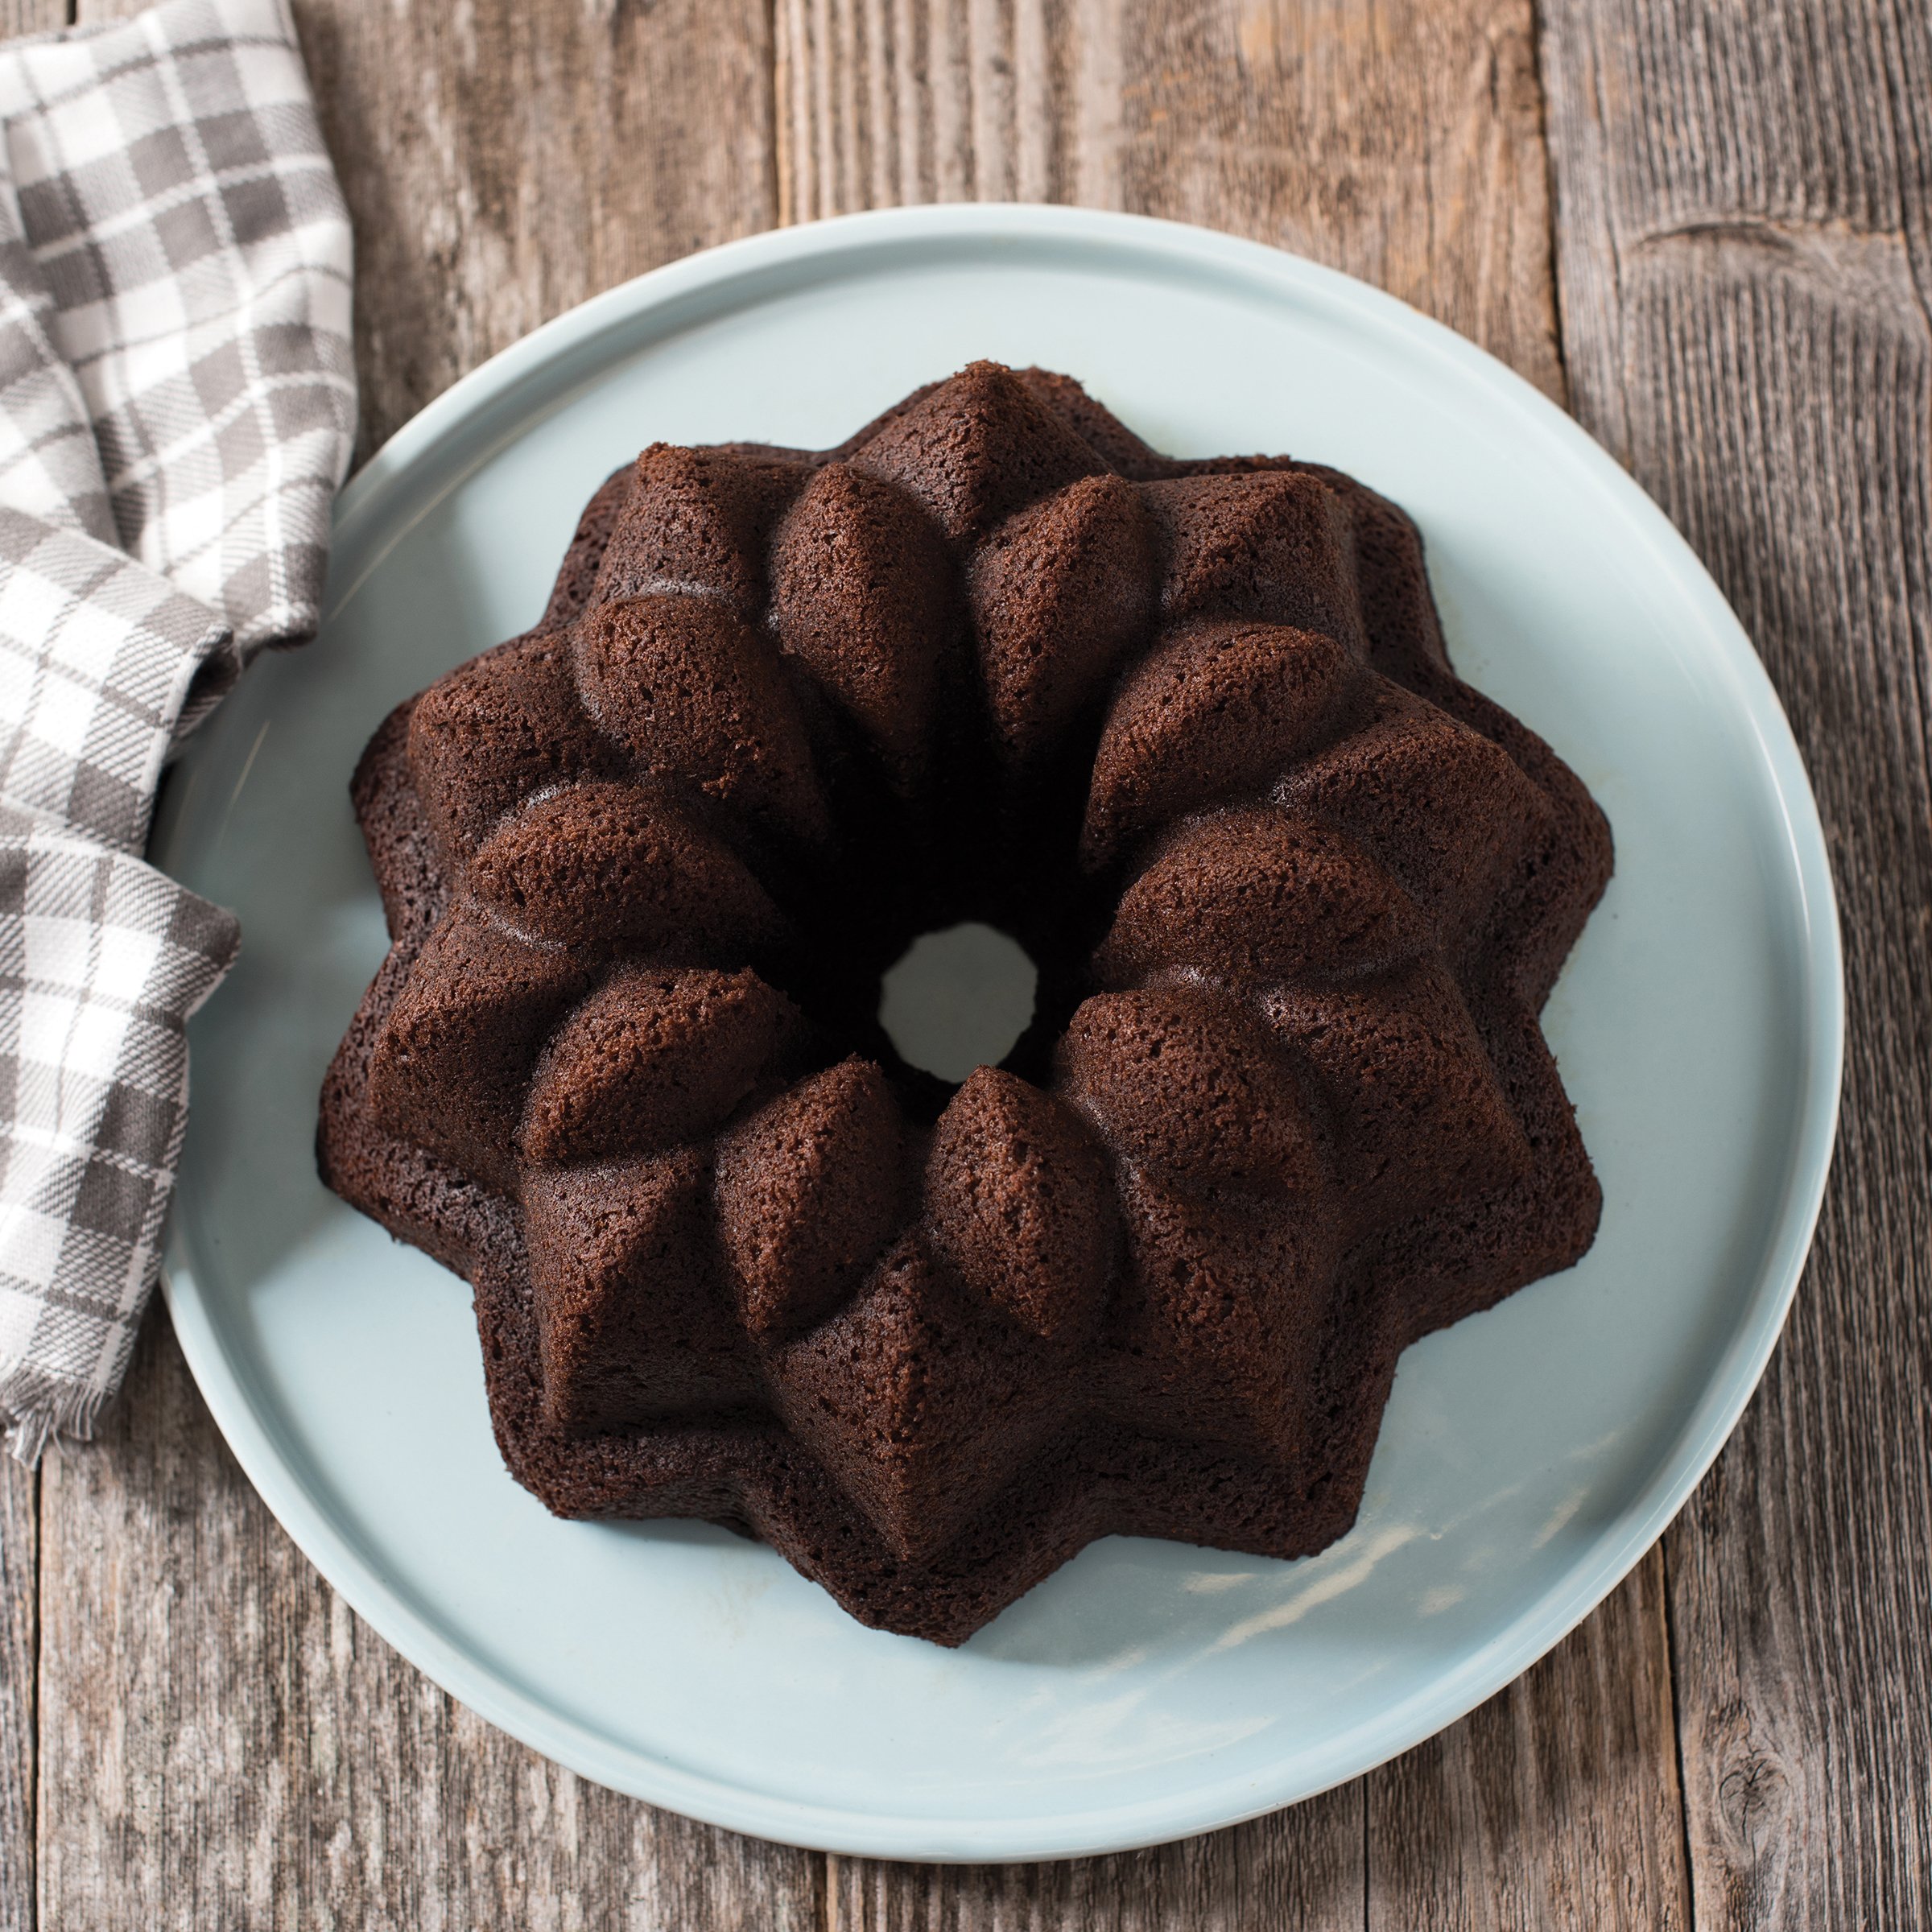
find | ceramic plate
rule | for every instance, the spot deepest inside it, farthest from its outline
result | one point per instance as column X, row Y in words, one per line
column 1147, row 1690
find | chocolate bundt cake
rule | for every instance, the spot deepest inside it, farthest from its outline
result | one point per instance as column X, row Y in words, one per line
column 1296, row 895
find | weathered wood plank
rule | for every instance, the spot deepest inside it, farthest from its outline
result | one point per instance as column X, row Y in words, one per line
column 1300, row 1868
column 1745, row 254
column 31, row 17
column 502, row 162
column 19, row 1718
column 225, row 1743
column 1555, row 1806
column 1402, row 143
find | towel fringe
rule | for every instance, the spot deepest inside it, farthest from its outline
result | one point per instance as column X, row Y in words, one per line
column 37, row 1407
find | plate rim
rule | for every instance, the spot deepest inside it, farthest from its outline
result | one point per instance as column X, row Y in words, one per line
column 708, row 279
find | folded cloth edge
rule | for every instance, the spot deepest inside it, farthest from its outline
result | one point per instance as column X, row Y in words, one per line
column 109, row 658
column 73, row 1281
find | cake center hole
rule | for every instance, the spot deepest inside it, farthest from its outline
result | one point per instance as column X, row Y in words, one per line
column 958, row 1000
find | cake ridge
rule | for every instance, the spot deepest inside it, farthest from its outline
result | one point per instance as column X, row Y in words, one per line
column 1190, row 730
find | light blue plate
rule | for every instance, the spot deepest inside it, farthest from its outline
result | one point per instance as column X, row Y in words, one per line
column 1530, row 1456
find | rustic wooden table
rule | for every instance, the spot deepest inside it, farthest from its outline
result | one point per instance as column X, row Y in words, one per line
column 1704, row 226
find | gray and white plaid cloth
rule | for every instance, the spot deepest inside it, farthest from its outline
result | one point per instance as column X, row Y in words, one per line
column 177, row 403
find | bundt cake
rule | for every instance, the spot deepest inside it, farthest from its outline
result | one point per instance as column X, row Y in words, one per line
column 1296, row 895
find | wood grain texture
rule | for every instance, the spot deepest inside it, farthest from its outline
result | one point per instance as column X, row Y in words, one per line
column 1746, row 262
column 504, row 160
column 1555, row 1806
column 224, row 1743
column 19, row 1717
column 1302, row 1869
column 31, row 16
column 1400, row 140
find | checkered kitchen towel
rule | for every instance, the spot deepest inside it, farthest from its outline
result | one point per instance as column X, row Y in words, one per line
column 176, row 405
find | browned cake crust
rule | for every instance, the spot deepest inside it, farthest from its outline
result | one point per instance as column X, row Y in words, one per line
column 1297, row 894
